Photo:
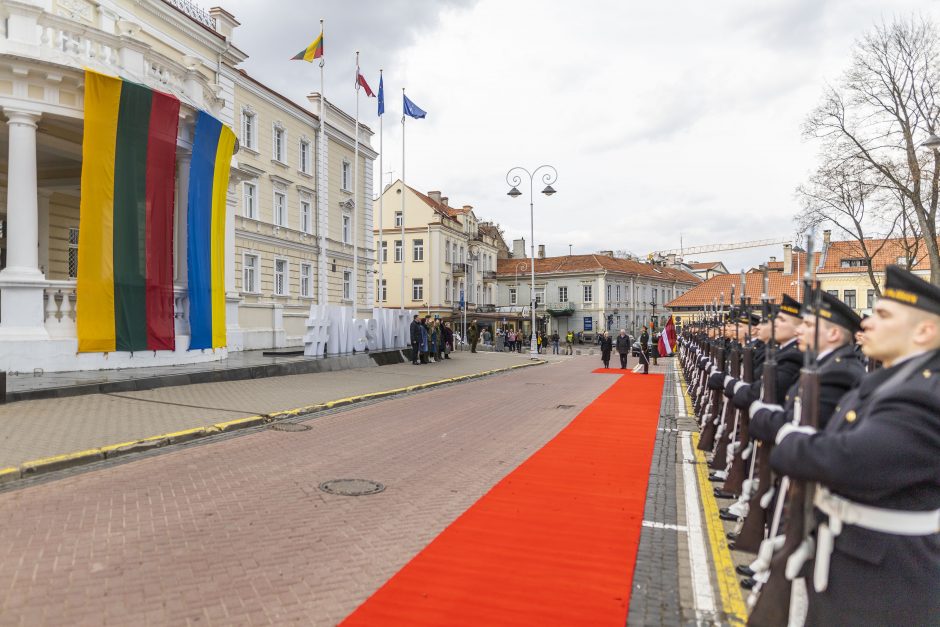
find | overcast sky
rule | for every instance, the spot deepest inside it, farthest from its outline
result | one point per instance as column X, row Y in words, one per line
column 660, row 118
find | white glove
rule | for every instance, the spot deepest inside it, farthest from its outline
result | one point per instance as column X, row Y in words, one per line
column 756, row 406
column 738, row 386
column 789, row 428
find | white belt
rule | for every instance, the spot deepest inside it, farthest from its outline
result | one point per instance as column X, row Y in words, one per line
column 843, row 511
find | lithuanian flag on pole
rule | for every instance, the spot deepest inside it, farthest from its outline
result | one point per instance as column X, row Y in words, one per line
column 125, row 250
column 311, row 52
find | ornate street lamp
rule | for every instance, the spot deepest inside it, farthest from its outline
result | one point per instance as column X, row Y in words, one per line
column 514, row 179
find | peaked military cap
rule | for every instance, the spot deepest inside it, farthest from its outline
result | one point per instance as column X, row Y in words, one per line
column 754, row 316
column 833, row 310
column 906, row 288
column 790, row 306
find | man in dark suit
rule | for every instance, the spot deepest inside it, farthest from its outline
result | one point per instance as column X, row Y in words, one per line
column 623, row 348
column 415, row 331
column 645, row 350
column 877, row 468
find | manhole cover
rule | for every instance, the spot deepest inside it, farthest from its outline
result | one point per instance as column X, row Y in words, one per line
column 352, row 487
column 288, row 426
column 564, row 406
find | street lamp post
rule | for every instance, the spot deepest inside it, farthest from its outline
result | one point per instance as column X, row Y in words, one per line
column 514, row 179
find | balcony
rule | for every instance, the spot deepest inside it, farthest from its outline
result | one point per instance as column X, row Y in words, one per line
column 560, row 309
column 489, row 275
column 459, row 269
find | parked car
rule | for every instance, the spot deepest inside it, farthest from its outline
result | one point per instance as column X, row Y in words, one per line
column 635, row 349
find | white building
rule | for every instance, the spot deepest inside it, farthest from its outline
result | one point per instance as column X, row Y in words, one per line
column 293, row 217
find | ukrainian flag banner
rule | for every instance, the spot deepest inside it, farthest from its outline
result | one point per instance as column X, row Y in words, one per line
column 125, row 251
column 213, row 145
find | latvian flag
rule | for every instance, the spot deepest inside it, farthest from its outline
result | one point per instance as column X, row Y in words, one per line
column 667, row 339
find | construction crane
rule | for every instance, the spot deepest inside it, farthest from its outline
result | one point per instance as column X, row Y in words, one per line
column 715, row 248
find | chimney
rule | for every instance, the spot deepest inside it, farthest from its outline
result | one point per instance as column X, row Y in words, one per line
column 671, row 259
column 225, row 22
column 606, row 253
column 541, row 251
column 827, row 235
column 788, row 258
column 435, row 196
column 444, row 200
column 467, row 208
column 518, row 247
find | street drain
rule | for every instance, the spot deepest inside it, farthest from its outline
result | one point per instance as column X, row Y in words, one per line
column 351, row 487
column 564, row 406
column 288, row 426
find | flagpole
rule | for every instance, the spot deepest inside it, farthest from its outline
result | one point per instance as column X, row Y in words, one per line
column 403, row 188
column 355, row 294
column 381, row 193
column 321, row 190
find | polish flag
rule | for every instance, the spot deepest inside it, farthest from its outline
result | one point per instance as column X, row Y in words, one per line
column 667, row 339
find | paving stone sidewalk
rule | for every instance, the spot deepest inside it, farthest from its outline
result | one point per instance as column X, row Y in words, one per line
column 42, row 428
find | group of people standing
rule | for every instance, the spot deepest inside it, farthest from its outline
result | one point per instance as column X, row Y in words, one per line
column 623, row 344
column 431, row 339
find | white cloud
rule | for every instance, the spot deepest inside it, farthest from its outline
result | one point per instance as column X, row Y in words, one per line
column 660, row 117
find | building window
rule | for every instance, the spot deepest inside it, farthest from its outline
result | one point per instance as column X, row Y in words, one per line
column 280, row 209
column 398, row 251
column 398, row 219
column 280, row 277
column 446, row 290
column 489, row 296
column 278, row 138
column 347, row 277
column 305, row 156
column 833, row 293
column 610, row 291
column 461, row 255
column 588, row 293
column 384, row 252
column 902, row 261
column 848, row 297
column 655, row 294
column 417, row 289
column 870, row 297
column 347, row 222
column 250, row 274
column 539, row 297
column 306, row 287
column 305, row 216
column 512, row 296
column 563, row 294
column 418, row 250
column 250, row 192
column 383, row 290
column 249, row 130
column 73, row 252
column 447, row 251
column 618, row 295
column 853, row 263
column 347, row 177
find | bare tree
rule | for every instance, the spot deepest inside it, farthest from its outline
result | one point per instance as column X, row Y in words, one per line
column 848, row 199
column 882, row 111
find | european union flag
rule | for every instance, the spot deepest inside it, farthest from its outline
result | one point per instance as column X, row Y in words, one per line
column 413, row 110
column 381, row 96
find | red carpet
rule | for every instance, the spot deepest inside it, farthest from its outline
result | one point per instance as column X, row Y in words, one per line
column 553, row 543
column 613, row 371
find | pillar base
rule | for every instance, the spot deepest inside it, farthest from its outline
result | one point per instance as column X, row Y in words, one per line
column 22, row 304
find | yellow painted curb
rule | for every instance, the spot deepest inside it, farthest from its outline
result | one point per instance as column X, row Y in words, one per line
column 9, row 474
column 728, row 587
column 109, row 451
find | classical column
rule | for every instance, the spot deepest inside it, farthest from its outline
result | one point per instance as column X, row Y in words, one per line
column 44, row 197
column 21, row 282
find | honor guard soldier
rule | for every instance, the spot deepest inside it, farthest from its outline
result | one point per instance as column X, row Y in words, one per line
column 877, row 468
column 840, row 367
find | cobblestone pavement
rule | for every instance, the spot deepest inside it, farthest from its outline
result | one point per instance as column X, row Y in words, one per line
column 41, row 428
column 235, row 532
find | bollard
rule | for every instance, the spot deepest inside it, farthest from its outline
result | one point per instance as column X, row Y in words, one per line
column 3, row 387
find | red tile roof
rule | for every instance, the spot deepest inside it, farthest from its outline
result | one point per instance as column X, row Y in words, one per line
column 587, row 263
column 705, row 265
column 440, row 208
column 719, row 286
column 884, row 252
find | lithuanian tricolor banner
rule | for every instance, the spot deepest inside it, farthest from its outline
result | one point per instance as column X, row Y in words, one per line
column 213, row 145
column 125, row 250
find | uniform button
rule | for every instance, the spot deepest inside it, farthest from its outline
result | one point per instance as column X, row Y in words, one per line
column 838, row 360
column 850, row 416
column 927, row 374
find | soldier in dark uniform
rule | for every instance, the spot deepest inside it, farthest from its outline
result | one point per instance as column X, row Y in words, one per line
column 877, row 468
column 645, row 350
column 839, row 365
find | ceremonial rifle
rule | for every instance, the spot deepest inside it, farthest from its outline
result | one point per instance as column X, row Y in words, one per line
column 772, row 606
column 713, row 414
column 728, row 423
column 752, row 531
column 735, row 481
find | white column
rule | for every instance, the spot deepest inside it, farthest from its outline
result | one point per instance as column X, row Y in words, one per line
column 44, row 197
column 21, row 282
